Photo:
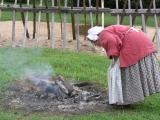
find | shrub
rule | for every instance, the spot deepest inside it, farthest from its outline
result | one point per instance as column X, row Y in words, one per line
column 108, row 4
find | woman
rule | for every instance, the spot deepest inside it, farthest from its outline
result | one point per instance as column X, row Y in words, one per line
column 140, row 73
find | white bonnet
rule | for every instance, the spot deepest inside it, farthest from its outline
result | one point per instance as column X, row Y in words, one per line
column 93, row 32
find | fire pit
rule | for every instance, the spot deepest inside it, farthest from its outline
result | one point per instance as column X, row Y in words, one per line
column 54, row 94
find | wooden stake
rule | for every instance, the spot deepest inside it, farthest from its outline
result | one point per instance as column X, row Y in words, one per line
column 85, row 20
column 134, row 17
column 77, row 28
column 118, row 17
column 97, row 7
column 2, row 2
column 47, row 18
column 157, row 34
column 102, row 5
column 130, row 16
column 60, row 17
column 52, row 27
column 38, row 24
column 149, row 8
column 124, row 7
column 143, row 18
column 91, row 15
column 14, row 24
column 64, row 45
column 73, row 22
column 34, row 19
column 25, row 23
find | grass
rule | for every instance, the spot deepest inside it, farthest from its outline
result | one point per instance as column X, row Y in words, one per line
column 109, row 20
column 78, row 66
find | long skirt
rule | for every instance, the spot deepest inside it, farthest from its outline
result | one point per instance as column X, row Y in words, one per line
column 140, row 80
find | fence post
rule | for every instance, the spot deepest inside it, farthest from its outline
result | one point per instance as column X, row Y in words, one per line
column 130, row 16
column 64, row 28
column 2, row 2
column 134, row 17
column 38, row 24
column 25, row 26
column 47, row 18
column 149, row 8
column 102, row 4
column 97, row 16
column 85, row 19
column 73, row 22
column 52, row 27
column 13, row 24
column 157, row 34
column 118, row 17
column 77, row 28
column 91, row 15
column 34, row 19
column 143, row 18
column 124, row 7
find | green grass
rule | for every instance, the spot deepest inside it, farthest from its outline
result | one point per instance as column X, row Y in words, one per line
column 78, row 66
column 74, row 65
column 109, row 20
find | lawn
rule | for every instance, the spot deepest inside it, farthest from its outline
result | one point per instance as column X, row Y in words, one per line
column 74, row 65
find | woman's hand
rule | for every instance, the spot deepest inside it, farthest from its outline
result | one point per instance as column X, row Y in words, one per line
column 114, row 61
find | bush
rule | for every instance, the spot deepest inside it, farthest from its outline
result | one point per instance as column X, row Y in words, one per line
column 12, row 1
column 112, row 3
column 108, row 4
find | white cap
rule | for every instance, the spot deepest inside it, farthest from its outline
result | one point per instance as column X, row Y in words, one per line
column 93, row 33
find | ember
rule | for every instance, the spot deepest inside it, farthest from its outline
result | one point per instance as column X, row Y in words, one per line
column 54, row 94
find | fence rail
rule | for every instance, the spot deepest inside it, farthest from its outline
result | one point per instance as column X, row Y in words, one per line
column 82, row 10
column 64, row 10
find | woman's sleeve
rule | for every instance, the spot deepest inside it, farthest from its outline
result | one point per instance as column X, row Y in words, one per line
column 111, row 43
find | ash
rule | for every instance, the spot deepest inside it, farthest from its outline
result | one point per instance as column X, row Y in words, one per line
column 59, row 96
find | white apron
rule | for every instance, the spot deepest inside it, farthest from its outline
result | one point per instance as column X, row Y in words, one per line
column 115, row 84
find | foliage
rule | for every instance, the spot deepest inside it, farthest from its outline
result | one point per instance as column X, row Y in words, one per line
column 109, row 3
column 12, row 1
column 112, row 3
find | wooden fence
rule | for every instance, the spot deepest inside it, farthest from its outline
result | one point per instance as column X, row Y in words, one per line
column 64, row 10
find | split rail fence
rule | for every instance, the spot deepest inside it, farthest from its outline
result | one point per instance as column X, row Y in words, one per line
column 99, row 11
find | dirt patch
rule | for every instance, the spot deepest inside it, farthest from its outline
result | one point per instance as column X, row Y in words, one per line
column 42, row 38
column 84, row 45
column 22, row 95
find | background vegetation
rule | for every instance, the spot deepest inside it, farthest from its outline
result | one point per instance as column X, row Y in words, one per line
column 109, row 3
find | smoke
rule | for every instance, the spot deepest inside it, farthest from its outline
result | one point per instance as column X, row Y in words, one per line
column 21, row 63
column 38, row 73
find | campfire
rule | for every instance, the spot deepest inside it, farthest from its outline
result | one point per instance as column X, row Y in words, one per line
column 54, row 94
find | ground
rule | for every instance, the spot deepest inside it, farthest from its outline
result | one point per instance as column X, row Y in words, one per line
column 85, row 98
column 6, row 37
